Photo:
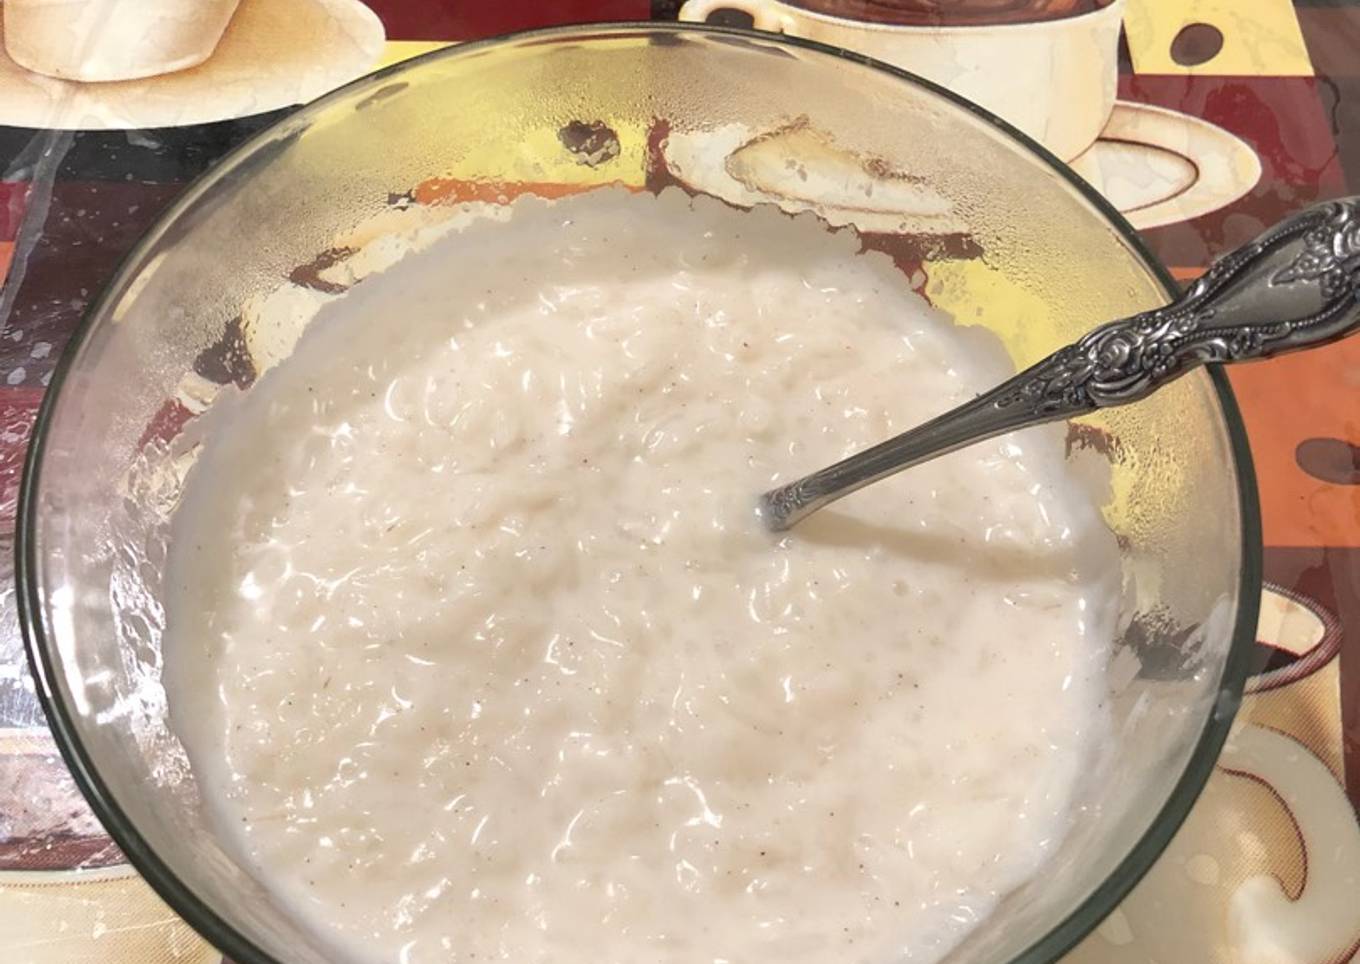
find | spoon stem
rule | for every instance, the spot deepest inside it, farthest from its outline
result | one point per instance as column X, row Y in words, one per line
column 974, row 421
column 1296, row 286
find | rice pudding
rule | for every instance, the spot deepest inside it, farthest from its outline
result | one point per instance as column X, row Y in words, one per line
column 479, row 651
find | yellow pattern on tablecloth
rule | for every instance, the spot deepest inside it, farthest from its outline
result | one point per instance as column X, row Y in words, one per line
column 395, row 51
column 1261, row 38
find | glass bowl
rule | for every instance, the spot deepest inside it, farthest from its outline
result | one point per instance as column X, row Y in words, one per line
column 995, row 228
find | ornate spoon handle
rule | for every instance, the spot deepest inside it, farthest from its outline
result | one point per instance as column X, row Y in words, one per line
column 1296, row 286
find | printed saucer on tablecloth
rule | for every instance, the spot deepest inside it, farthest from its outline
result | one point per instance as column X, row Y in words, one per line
column 1266, row 867
column 1158, row 166
column 274, row 54
column 66, row 891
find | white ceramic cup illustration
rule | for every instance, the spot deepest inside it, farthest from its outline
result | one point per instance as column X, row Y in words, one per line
column 103, row 40
column 1052, row 78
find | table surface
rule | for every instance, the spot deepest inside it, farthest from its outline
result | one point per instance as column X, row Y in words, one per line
column 1266, row 869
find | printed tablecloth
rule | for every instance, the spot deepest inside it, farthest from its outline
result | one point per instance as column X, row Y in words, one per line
column 1230, row 115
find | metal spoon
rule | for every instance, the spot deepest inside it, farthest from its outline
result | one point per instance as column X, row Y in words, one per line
column 1296, row 286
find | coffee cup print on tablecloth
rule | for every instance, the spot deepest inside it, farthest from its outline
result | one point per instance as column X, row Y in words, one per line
column 103, row 40
column 136, row 64
column 989, row 51
column 1266, row 868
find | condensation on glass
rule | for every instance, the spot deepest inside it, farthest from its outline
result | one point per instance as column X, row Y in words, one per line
column 1000, row 228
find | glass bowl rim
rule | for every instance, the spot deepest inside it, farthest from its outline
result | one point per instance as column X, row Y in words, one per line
column 1060, row 938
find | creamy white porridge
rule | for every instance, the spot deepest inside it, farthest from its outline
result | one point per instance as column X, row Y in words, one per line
column 480, row 653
